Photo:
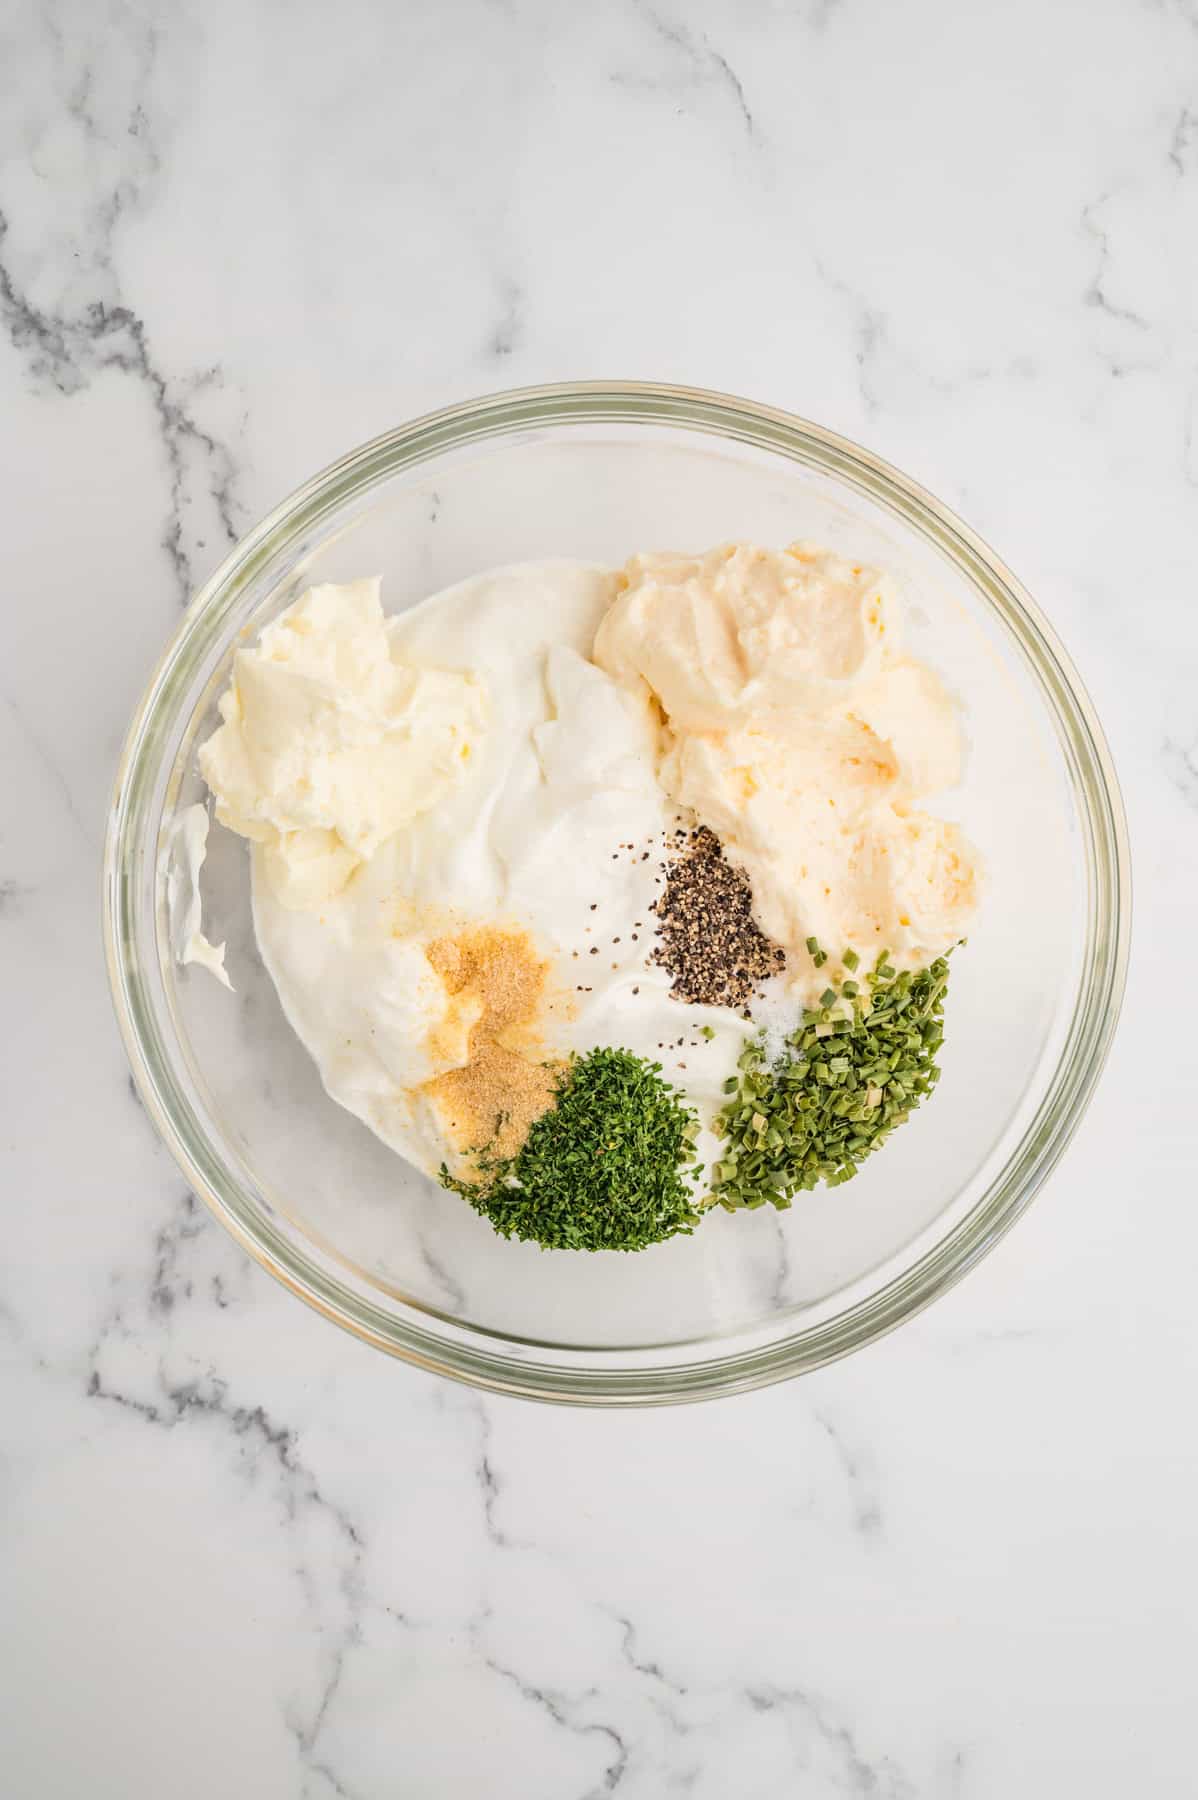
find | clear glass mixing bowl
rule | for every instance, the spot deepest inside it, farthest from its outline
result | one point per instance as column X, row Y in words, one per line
column 596, row 471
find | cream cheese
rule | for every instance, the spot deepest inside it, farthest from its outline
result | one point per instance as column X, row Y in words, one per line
column 330, row 743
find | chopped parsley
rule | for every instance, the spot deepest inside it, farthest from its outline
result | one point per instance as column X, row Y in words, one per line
column 610, row 1166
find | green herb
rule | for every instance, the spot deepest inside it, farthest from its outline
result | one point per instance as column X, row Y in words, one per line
column 857, row 1066
column 609, row 1167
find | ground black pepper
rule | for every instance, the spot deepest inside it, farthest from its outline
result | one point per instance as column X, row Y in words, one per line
column 708, row 939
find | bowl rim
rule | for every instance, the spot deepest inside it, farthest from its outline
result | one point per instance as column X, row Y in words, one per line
column 469, row 1354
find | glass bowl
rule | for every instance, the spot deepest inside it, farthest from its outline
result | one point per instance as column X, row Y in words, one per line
column 596, row 471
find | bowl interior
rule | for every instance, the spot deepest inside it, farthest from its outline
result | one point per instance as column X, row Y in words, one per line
column 288, row 1161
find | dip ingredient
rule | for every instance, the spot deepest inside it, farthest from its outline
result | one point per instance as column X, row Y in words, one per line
column 331, row 743
column 857, row 1066
column 495, row 975
column 609, row 1167
column 708, row 939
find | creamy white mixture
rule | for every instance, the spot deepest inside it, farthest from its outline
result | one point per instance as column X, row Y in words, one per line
column 516, row 751
column 180, row 865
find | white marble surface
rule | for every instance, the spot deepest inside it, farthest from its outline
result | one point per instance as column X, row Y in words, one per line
column 241, row 1553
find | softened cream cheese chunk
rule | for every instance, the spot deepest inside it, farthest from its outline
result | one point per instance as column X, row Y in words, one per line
column 796, row 728
column 330, row 742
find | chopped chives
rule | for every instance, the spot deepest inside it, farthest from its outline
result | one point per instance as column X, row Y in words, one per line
column 841, row 1090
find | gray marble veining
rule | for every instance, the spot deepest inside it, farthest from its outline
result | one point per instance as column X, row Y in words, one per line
column 244, row 1554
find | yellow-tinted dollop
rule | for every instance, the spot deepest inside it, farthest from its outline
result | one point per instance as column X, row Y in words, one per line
column 799, row 732
column 504, row 1080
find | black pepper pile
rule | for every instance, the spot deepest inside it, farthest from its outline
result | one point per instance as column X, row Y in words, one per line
column 708, row 939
